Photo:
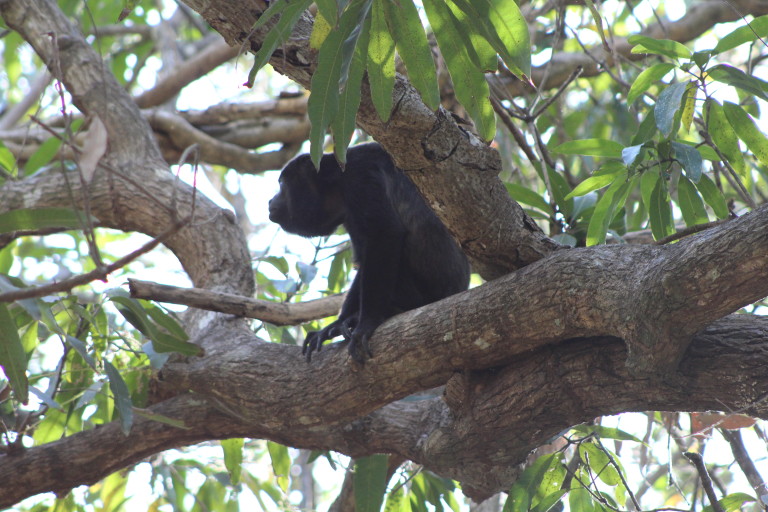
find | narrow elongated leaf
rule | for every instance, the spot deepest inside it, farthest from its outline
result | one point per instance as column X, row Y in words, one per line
column 329, row 10
column 233, row 458
column 370, row 482
column 591, row 147
column 690, row 202
column 289, row 12
column 504, row 27
column 669, row 102
column 281, row 463
column 593, row 183
column 580, row 500
column 480, row 51
column 44, row 154
column 527, row 196
column 518, row 500
column 724, row 137
column 666, row 47
column 690, row 159
column 12, row 356
column 747, row 130
column 646, row 130
column 660, row 212
column 647, row 78
column 755, row 29
column 550, row 501
column 731, row 502
column 381, row 61
column 469, row 82
column 413, row 47
column 354, row 18
column 121, row 396
column 320, row 30
column 81, row 349
column 629, row 154
column 606, row 432
column 349, row 101
column 713, row 197
column 7, row 160
column 735, row 77
column 605, row 209
column 42, row 218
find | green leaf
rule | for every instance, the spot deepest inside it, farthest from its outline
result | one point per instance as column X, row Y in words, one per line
column 747, row 130
column 349, row 102
column 166, row 321
column 735, row 77
column 281, row 463
column 370, row 481
column 42, row 218
column 233, row 458
column 713, row 197
column 605, row 432
column 518, row 500
column 594, row 183
column 560, row 190
column 530, row 481
column 121, row 396
column 647, row 78
column 480, row 51
column 504, row 27
column 81, row 349
column 600, row 463
column 613, row 199
column 580, row 500
column 162, row 341
column 527, row 196
column 690, row 202
column 7, row 160
column 323, row 103
column 413, row 48
column 469, row 82
column 660, row 212
column 690, row 159
column 329, row 10
column 591, row 147
column 12, row 356
column 646, row 130
column 754, row 30
column 320, row 30
column 665, row 47
column 667, row 106
column 381, row 61
column 550, row 501
column 724, row 137
column 396, row 500
column 289, row 12
column 731, row 502
column 43, row 155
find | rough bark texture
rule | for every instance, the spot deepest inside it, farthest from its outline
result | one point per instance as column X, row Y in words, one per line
column 521, row 358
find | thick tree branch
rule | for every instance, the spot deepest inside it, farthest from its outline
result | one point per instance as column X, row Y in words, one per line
column 479, row 442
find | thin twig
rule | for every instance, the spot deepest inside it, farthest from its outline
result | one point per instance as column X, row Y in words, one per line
column 98, row 273
column 698, row 462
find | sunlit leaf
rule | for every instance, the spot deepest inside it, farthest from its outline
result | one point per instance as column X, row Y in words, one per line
column 469, row 82
column 666, row 47
column 754, row 30
column 724, row 137
column 43, row 218
column 613, row 199
column 43, row 155
column 747, row 130
column 413, row 48
column 527, row 196
column 593, row 183
column 591, row 147
column 381, row 61
column 731, row 502
column 233, row 458
column 647, row 78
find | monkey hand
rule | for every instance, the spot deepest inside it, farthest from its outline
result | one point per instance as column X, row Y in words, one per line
column 358, row 340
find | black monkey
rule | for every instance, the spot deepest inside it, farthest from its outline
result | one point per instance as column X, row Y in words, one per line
column 406, row 257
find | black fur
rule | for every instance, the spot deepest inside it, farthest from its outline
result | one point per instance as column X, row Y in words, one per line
column 406, row 256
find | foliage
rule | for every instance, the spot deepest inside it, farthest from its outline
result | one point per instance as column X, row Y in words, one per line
column 677, row 141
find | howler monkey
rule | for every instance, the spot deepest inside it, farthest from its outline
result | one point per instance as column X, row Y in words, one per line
column 406, row 257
